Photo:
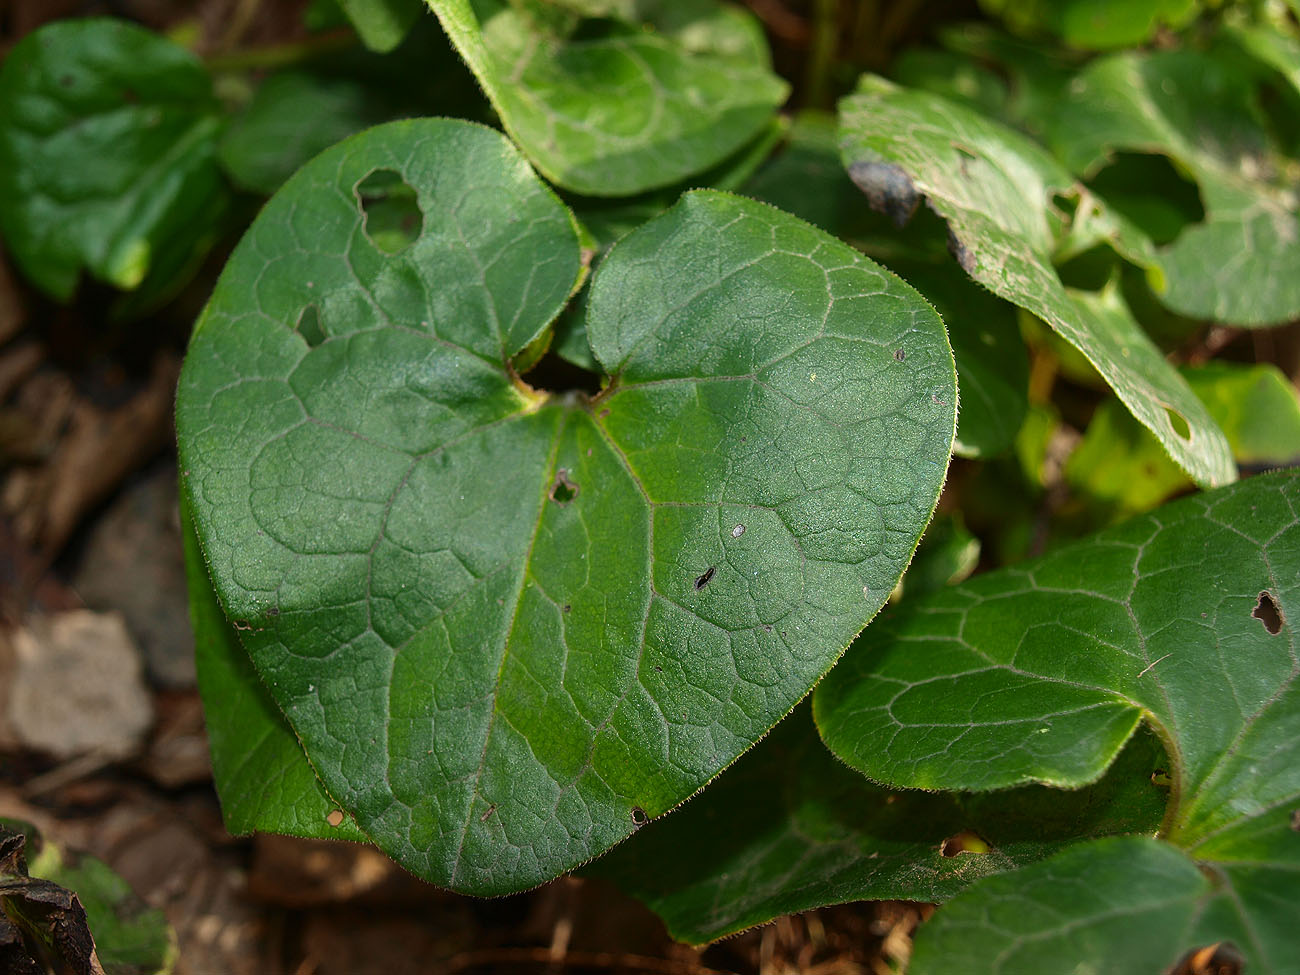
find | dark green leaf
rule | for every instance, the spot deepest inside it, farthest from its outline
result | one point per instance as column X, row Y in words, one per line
column 508, row 625
column 790, row 828
column 1002, row 195
column 107, row 154
column 619, row 110
column 1040, row 672
column 1095, row 24
column 261, row 774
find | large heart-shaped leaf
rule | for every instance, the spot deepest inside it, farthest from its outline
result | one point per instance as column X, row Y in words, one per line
column 108, row 139
column 1040, row 672
column 1242, row 264
column 998, row 191
column 789, row 828
column 509, row 626
column 622, row 109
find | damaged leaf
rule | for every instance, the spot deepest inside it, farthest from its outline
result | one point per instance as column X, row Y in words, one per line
column 1041, row 672
column 477, row 604
column 1001, row 194
column 618, row 106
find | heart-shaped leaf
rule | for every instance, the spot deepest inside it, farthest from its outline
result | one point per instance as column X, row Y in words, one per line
column 1040, row 672
column 998, row 191
column 108, row 139
column 789, row 828
column 1242, row 264
column 510, row 626
column 621, row 109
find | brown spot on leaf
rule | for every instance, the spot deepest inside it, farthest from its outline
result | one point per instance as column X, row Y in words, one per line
column 335, row 818
column 639, row 817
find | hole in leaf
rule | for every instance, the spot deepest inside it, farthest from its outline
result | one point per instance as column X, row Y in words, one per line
column 1162, row 779
column 393, row 216
column 639, row 817
column 1179, row 423
column 1220, row 958
column 1126, row 184
column 703, row 580
column 563, row 490
column 899, row 355
column 488, row 812
column 335, row 818
column 967, row 841
column 1268, row 613
column 309, row 326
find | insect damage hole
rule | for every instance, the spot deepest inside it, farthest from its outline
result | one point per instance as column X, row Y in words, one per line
column 967, row 841
column 703, row 578
column 309, row 326
column 563, row 490
column 1179, row 423
column 639, row 817
column 1268, row 613
column 393, row 219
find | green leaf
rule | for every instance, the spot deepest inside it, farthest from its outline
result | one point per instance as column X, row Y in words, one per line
column 262, row 777
column 620, row 109
column 294, row 115
column 789, row 828
column 382, row 24
column 1095, row 24
column 948, row 554
column 1040, row 673
column 1128, row 900
column 1256, row 406
column 1241, row 265
column 107, row 154
column 507, row 625
column 999, row 193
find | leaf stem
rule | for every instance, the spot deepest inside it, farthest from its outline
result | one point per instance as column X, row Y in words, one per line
column 279, row 55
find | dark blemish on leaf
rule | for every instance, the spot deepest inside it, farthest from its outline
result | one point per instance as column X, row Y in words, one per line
column 967, row 841
column 603, row 413
column 766, row 628
column 1179, row 424
column 66, row 80
column 487, row 812
column 639, row 818
column 1268, row 613
column 899, row 355
column 563, row 490
column 703, row 580
column 273, row 612
column 567, row 608
column 392, row 216
column 961, row 253
column 888, row 189
column 309, row 326
column 658, row 669
column 335, row 818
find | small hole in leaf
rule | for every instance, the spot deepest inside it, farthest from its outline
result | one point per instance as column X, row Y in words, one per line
column 1220, row 958
column 563, row 490
column 702, row 580
column 567, row 608
column 899, row 355
column 967, row 841
column 309, row 326
column 335, row 818
column 639, row 817
column 1161, row 778
column 1267, row 612
column 273, row 611
column 393, row 217
column 1179, row 423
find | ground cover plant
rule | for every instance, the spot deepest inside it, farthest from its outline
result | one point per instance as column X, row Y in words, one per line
column 552, row 432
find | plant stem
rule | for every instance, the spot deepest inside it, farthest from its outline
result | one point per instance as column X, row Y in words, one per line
column 279, row 55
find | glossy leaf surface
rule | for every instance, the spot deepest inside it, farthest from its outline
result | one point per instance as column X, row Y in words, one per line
column 107, row 154
column 622, row 109
column 510, row 626
column 999, row 193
